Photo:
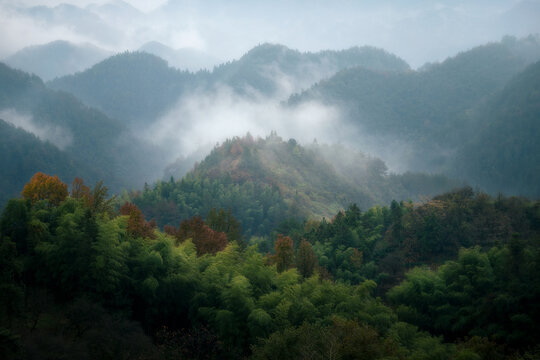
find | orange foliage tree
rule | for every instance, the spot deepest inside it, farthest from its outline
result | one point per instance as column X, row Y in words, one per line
column 137, row 226
column 45, row 187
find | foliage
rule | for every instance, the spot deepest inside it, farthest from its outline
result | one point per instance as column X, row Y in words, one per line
column 80, row 281
column 136, row 225
column 477, row 295
column 264, row 182
column 306, row 260
column 45, row 187
column 284, row 256
column 205, row 239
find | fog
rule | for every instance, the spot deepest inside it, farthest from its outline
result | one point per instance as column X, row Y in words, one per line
column 201, row 120
column 418, row 31
column 56, row 135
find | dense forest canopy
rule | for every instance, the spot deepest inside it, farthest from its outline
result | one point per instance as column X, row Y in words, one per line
column 82, row 279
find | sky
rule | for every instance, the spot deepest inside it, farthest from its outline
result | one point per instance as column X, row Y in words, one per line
column 419, row 31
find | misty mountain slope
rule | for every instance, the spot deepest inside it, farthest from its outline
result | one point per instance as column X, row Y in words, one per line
column 78, row 20
column 184, row 58
column 505, row 154
column 269, row 68
column 139, row 87
column 265, row 181
column 22, row 154
column 57, row 58
column 86, row 134
column 429, row 110
column 134, row 87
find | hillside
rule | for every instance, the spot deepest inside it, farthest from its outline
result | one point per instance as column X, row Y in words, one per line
column 266, row 181
column 22, row 154
column 87, row 135
column 428, row 110
column 395, row 282
column 504, row 155
column 273, row 68
column 132, row 87
column 184, row 58
column 55, row 59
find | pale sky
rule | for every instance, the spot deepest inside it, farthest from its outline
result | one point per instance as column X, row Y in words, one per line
column 419, row 31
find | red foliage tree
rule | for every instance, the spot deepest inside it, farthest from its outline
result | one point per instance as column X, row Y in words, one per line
column 137, row 226
column 206, row 240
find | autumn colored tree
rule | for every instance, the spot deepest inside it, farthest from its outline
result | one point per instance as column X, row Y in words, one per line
column 45, row 187
column 284, row 256
column 206, row 240
column 137, row 226
column 79, row 190
column 306, row 260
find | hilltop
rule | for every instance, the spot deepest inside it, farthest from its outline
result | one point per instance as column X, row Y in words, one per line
column 266, row 181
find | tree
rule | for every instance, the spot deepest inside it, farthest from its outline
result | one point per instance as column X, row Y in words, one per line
column 306, row 260
column 45, row 187
column 137, row 226
column 79, row 190
column 223, row 221
column 204, row 238
column 284, row 256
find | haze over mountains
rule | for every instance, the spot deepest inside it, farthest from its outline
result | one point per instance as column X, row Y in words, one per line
column 228, row 30
column 363, row 97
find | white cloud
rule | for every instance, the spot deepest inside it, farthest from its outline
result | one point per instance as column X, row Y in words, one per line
column 56, row 135
column 202, row 120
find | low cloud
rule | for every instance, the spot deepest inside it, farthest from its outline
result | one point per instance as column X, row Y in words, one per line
column 56, row 135
column 204, row 119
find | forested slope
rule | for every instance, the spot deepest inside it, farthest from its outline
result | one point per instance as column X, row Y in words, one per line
column 265, row 181
column 22, row 154
column 92, row 139
column 82, row 280
column 503, row 155
column 431, row 110
column 132, row 87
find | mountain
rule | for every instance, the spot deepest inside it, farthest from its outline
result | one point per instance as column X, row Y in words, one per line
column 78, row 20
column 270, row 68
column 22, row 154
column 139, row 87
column 184, row 58
column 504, row 155
column 84, row 134
column 423, row 116
column 57, row 58
column 133, row 87
column 266, row 181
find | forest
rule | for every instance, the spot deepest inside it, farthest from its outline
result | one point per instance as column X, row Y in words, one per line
column 456, row 277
